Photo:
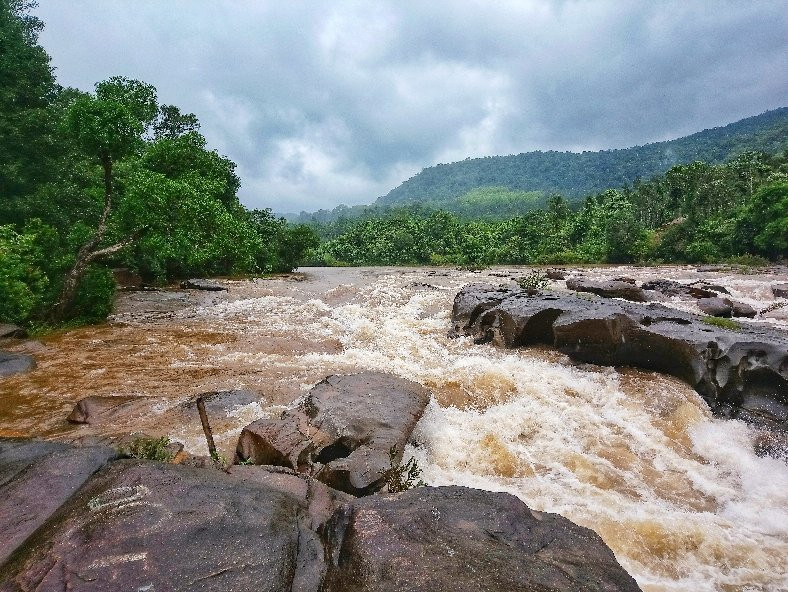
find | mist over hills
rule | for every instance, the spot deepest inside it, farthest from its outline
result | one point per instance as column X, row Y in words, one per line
column 507, row 185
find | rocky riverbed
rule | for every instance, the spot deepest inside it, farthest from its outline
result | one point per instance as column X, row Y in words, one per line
column 680, row 496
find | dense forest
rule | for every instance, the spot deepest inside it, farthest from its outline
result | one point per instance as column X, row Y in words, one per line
column 697, row 212
column 111, row 178
column 510, row 185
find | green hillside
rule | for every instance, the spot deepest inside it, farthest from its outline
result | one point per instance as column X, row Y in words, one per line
column 576, row 175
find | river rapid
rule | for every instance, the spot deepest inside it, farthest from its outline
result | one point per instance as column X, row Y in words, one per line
column 678, row 495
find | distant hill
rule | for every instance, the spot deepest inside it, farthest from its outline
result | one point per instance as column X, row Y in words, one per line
column 456, row 186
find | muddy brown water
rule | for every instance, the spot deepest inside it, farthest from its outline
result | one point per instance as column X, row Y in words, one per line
column 679, row 495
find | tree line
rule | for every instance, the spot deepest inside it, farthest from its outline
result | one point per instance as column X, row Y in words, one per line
column 698, row 212
column 111, row 178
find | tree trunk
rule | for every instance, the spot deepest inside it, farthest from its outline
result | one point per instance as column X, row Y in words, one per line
column 89, row 252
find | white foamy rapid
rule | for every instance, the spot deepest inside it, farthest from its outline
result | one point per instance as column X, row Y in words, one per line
column 678, row 495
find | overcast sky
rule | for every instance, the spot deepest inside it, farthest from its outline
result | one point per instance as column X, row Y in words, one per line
column 322, row 103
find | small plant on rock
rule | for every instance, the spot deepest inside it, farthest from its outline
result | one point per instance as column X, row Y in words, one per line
column 149, row 449
column 401, row 477
column 533, row 283
column 722, row 323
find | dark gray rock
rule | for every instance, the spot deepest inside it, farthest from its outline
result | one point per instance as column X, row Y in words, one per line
column 454, row 539
column 716, row 307
column 11, row 363
column 780, row 290
column 342, row 432
column 199, row 284
column 555, row 274
column 742, row 373
column 36, row 478
column 608, row 289
column 10, row 331
column 673, row 288
column 742, row 309
column 704, row 285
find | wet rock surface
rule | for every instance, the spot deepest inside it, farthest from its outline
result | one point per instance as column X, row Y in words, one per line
column 200, row 284
column 36, row 478
column 99, row 410
column 342, row 432
column 740, row 373
column 780, row 290
column 142, row 525
column 608, row 289
column 10, row 331
column 674, row 288
column 13, row 363
column 433, row 539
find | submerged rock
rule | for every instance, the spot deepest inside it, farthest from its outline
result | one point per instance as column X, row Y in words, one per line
column 780, row 290
column 11, row 363
column 343, row 431
column 740, row 373
column 199, row 284
column 142, row 525
column 608, row 289
column 101, row 410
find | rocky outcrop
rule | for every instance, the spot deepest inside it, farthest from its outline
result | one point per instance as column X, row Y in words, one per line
column 453, row 538
column 9, row 331
column 11, row 363
column 608, row 289
column 343, row 431
column 741, row 373
column 141, row 525
column 780, row 290
column 199, row 284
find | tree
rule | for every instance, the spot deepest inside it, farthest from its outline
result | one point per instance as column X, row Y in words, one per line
column 107, row 127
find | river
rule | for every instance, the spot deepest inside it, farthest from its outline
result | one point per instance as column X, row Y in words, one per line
column 677, row 494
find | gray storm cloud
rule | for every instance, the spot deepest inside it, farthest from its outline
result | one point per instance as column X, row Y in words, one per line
column 338, row 102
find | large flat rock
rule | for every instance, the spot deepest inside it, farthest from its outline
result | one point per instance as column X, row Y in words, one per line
column 741, row 373
column 343, row 431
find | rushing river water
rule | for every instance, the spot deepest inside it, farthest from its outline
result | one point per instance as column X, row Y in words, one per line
column 677, row 494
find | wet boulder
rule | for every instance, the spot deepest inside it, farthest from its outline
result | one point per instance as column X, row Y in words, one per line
column 36, row 478
column 780, row 290
column 715, row 307
column 742, row 309
column 10, row 331
column 12, row 363
column 459, row 539
column 343, row 431
column 200, row 284
column 555, row 274
column 608, row 289
column 104, row 410
column 740, row 373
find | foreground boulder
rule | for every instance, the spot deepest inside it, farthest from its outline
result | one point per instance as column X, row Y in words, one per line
column 608, row 289
column 433, row 539
column 141, row 525
column 740, row 373
column 36, row 478
column 11, row 363
column 343, row 431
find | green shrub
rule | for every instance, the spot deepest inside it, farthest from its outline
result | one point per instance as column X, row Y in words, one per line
column 149, row 449
column 534, row 282
column 401, row 477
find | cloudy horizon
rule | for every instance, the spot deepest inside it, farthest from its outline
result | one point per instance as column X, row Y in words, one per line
column 321, row 104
